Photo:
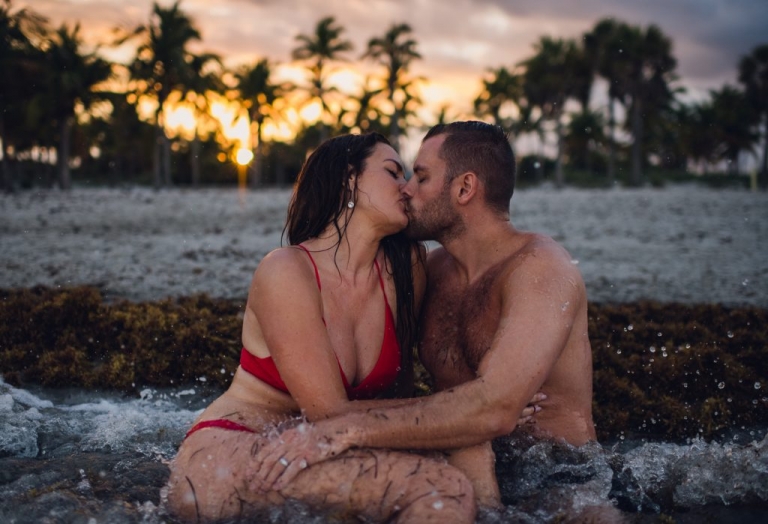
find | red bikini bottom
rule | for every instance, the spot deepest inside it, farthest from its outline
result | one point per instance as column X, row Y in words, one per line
column 218, row 423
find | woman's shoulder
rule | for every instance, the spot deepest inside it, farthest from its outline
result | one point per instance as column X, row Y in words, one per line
column 288, row 262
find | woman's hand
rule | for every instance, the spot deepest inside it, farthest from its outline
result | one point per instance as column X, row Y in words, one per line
column 533, row 407
column 280, row 459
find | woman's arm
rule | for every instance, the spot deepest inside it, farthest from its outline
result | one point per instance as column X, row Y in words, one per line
column 286, row 302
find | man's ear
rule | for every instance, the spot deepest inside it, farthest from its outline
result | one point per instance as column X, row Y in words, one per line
column 468, row 185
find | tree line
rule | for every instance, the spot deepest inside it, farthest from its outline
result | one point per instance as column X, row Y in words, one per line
column 62, row 100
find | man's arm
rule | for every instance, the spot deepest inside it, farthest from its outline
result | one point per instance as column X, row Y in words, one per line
column 540, row 300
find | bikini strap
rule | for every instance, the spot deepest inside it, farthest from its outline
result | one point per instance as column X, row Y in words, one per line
column 317, row 274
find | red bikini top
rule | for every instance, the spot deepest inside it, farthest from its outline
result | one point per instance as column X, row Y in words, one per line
column 381, row 377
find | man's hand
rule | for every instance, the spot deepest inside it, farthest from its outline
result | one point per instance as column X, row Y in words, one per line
column 279, row 460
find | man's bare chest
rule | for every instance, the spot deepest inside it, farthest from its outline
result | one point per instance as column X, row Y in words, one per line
column 458, row 327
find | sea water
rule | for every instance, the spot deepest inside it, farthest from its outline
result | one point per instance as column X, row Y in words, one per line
column 91, row 457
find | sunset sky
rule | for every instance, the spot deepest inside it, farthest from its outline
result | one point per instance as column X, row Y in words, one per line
column 458, row 39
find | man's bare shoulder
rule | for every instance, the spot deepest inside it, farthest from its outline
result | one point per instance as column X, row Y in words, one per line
column 539, row 257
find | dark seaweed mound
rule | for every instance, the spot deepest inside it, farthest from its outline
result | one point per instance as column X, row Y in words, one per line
column 661, row 370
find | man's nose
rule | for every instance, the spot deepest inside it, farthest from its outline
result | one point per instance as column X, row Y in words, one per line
column 407, row 189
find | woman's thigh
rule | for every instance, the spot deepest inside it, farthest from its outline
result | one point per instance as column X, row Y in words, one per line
column 209, row 482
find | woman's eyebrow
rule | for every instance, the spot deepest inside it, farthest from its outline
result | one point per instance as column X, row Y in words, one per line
column 399, row 165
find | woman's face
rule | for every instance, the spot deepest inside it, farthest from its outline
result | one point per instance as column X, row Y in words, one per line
column 378, row 190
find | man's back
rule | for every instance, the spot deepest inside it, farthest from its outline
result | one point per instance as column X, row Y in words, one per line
column 461, row 319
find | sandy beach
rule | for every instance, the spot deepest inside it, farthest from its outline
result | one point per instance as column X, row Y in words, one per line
column 679, row 244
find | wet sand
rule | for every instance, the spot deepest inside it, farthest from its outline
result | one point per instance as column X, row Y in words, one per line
column 680, row 244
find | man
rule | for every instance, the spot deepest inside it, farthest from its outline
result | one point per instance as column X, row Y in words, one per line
column 505, row 316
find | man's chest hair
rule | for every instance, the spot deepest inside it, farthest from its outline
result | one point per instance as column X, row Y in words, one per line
column 459, row 325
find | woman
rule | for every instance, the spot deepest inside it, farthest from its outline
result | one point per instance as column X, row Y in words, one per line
column 329, row 323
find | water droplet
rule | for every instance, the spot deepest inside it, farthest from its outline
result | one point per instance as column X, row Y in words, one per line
column 687, row 346
column 438, row 505
column 658, row 334
column 730, row 334
column 721, row 385
column 630, row 327
column 618, row 352
column 652, row 349
column 685, row 384
column 575, row 262
column 745, row 282
column 757, row 385
column 730, row 399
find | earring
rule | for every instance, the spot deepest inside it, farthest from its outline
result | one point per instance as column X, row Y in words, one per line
column 350, row 204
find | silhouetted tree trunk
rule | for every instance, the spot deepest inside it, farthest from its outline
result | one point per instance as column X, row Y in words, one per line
column 637, row 143
column 62, row 154
column 6, row 183
column 763, row 177
column 166, row 160
column 195, row 160
column 611, row 142
column 157, row 176
column 559, row 178
column 257, row 166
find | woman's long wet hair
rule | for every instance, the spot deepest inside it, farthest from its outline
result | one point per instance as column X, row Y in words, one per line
column 320, row 196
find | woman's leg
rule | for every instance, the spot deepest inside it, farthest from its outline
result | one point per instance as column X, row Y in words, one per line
column 208, row 483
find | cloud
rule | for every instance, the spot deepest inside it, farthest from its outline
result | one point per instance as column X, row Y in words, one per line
column 458, row 39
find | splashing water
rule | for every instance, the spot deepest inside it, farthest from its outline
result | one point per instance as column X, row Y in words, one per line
column 90, row 455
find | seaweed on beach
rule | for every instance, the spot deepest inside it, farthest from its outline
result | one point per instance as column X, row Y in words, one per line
column 71, row 337
column 677, row 370
column 661, row 370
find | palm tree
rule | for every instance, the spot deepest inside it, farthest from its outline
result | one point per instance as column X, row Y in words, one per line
column 395, row 50
column 753, row 74
column 21, row 66
column 367, row 115
column 502, row 88
column 319, row 48
column 549, row 83
column 201, row 79
column 585, row 132
column 161, row 65
column 734, row 125
column 649, row 72
column 259, row 93
column 604, row 50
column 72, row 78
column 698, row 135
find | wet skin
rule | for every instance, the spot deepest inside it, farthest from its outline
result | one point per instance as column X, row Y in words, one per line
column 505, row 317
column 309, row 333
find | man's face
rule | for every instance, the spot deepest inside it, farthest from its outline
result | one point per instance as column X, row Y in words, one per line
column 428, row 194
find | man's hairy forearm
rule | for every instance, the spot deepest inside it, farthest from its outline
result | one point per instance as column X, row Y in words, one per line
column 455, row 418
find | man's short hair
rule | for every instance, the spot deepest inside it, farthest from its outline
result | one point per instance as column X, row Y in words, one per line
column 483, row 149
